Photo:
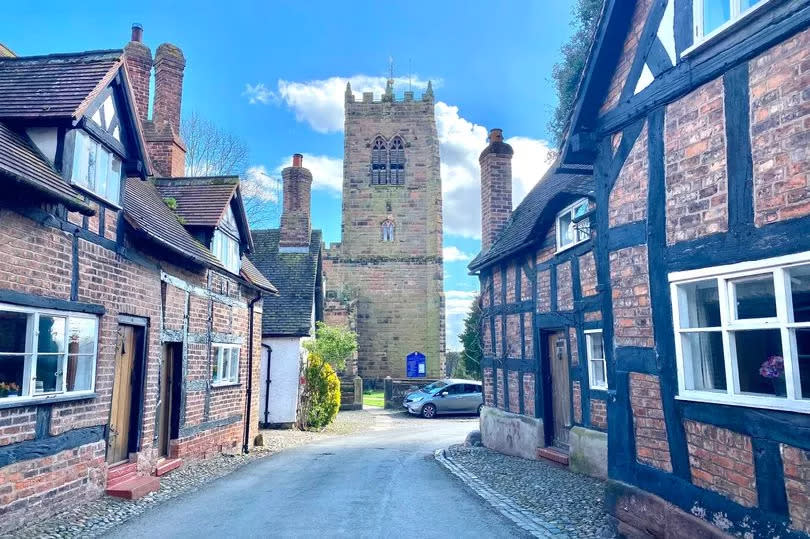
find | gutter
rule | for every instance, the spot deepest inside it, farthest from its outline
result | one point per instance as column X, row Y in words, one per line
column 249, row 393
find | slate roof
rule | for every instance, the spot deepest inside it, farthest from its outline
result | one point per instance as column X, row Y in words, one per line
column 200, row 201
column 56, row 86
column 295, row 276
column 521, row 229
column 21, row 161
column 251, row 273
column 148, row 214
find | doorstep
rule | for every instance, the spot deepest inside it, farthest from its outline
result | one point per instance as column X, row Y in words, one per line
column 165, row 466
column 553, row 454
column 123, row 481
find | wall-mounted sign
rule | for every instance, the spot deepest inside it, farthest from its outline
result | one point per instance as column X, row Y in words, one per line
column 415, row 365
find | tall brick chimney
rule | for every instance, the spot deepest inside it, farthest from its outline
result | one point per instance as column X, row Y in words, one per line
column 138, row 62
column 169, row 66
column 296, row 227
column 496, row 187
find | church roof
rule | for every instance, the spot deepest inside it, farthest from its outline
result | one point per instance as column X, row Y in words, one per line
column 523, row 227
column 295, row 275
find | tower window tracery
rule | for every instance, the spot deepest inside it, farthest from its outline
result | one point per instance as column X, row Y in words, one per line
column 379, row 162
column 387, row 230
column 396, row 160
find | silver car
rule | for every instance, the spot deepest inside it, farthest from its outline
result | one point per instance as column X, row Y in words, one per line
column 448, row 396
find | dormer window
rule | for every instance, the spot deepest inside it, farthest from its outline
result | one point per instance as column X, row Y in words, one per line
column 226, row 248
column 95, row 168
column 572, row 228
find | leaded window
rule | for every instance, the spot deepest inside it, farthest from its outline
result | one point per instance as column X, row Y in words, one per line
column 388, row 230
column 396, row 160
column 379, row 162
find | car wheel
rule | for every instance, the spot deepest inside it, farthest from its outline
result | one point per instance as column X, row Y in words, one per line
column 429, row 411
column 480, row 407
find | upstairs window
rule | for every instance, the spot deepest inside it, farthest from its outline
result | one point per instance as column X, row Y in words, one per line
column 388, row 230
column 226, row 249
column 571, row 227
column 742, row 333
column 712, row 16
column 379, row 162
column 45, row 353
column 396, row 160
column 95, row 168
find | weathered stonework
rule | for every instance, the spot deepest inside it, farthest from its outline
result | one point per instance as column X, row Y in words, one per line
column 652, row 443
column 723, row 461
column 398, row 285
column 780, row 130
column 695, row 162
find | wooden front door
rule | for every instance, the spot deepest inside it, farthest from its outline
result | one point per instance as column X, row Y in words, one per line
column 560, row 388
column 121, row 413
column 167, row 398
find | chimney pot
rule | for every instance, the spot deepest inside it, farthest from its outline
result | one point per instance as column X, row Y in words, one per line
column 298, row 160
column 137, row 32
column 495, row 135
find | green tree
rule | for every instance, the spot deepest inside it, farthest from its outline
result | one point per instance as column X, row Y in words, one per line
column 568, row 70
column 472, row 352
column 332, row 344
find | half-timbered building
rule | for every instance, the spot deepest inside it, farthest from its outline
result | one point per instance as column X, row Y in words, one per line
column 128, row 331
column 695, row 116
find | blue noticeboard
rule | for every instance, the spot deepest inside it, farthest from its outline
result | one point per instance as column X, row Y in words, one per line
column 415, row 365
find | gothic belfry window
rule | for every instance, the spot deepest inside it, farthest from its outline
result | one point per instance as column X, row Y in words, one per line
column 379, row 162
column 387, row 230
column 396, row 160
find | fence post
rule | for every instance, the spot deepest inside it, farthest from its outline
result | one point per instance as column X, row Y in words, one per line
column 358, row 393
column 388, row 392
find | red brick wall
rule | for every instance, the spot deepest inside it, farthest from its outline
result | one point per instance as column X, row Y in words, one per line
column 593, row 316
column 528, row 394
column 496, row 285
column 796, row 465
column 528, row 336
column 780, row 129
column 599, row 413
column 489, row 390
column 209, row 443
column 525, row 286
column 513, row 341
column 17, row 425
column 33, row 489
column 723, row 461
column 627, row 55
column 486, row 329
column 587, row 274
column 544, row 291
column 576, row 394
column 510, row 283
column 565, row 287
column 652, row 443
column 695, row 162
column 572, row 337
column 486, row 287
column 499, row 388
column 514, row 392
column 628, row 199
column 632, row 316
column 499, row 336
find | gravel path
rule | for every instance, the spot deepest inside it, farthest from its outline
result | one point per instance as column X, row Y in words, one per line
column 94, row 518
column 569, row 502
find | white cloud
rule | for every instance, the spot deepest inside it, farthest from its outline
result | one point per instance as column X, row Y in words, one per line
column 327, row 172
column 319, row 103
column 457, row 305
column 260, row 185
column 451, row 253
column 259, row 93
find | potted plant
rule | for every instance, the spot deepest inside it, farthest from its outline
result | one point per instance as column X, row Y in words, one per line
column 773, row 369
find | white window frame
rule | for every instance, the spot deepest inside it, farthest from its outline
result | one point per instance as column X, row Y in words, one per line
column 218, row 360
column 777, row 267
column 28, row 390
column 111, row 157
column 220, row 241
column 558, row 231
column 589, row 333
column 699, row 38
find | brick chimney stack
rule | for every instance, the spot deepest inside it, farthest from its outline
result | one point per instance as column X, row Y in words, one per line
column 138, row 62
column 496, row 187
column 169, row 66
column 296, row 228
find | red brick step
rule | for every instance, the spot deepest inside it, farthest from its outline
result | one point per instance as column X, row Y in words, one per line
column 167, row 465
column 135, row 487
column 553, row 454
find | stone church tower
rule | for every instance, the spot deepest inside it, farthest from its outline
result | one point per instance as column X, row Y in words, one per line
column 388, row 267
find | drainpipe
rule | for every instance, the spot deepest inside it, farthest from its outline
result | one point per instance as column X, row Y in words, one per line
column 249, row 393
column 267, row 384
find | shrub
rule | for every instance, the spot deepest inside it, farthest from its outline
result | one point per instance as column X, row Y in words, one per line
column 321, row 398
column 332, row 344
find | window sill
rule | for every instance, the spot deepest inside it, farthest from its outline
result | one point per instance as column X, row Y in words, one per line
column 19, row 402
column 217, row 385
column 722, row 30
column 570, row 246
column 766, row 403
column 95, row 196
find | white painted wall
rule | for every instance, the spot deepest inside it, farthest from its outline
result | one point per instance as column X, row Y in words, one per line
column 45, row 140
column 285, row 370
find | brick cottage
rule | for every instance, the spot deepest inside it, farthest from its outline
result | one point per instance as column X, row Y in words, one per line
column 695, row 117
column 129, row 317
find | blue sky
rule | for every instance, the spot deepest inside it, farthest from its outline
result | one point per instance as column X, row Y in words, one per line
column 274, row 72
